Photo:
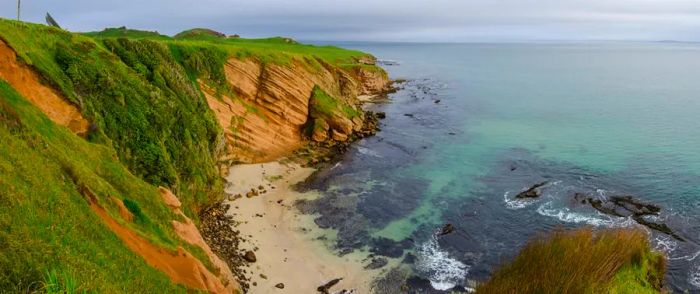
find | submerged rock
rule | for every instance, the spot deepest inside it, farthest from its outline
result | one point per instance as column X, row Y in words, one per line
column 446, row 229
column 279, row 286
column 376, row 263
column 533, row 192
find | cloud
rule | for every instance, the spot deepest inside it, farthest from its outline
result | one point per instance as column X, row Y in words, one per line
column 388, row 20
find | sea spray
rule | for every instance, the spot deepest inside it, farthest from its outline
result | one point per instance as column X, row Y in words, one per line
column 443, row 271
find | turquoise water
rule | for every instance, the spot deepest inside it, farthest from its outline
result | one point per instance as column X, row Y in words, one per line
column 602, row 118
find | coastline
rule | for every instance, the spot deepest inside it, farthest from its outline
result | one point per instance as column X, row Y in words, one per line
column 289, row 247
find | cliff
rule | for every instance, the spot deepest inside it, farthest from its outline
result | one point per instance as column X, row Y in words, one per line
column 101, row 130
column 271, row 105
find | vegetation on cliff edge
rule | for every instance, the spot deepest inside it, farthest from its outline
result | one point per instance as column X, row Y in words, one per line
column 51, row 239
column 582, row 261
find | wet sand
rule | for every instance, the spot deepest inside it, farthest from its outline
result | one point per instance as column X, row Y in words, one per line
column 288, row 248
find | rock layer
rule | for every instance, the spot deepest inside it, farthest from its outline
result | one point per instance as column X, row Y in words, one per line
column 264, row 116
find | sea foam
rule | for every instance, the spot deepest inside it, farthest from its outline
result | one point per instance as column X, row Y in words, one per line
column 694, row 278
column 443, row 271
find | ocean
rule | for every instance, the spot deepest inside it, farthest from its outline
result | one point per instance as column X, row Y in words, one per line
column 474, row 124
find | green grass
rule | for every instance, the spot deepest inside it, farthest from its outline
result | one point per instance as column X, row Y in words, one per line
column 278, row 50
column 139, row 90
column 582, row 261
column 123, row 32
column 141, row 98
column 150, row 126
column 46, row 220
column 326, row 106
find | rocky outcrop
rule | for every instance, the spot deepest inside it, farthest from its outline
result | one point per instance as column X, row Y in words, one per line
column 266, row 114
column 643, row 213
column 533, row 192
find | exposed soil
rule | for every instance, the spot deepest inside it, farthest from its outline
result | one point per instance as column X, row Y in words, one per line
column 28, row 83
column 180, row 266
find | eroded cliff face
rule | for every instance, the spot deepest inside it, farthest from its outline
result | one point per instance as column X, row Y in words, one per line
column 267, row 116
column 28, row 83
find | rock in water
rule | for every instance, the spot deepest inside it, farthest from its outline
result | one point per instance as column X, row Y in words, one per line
column 249, row 256
column 534, row 191
column 446, row 229
column 629, row 206
column 280, row 286
column 327, row 286
column 376, row 263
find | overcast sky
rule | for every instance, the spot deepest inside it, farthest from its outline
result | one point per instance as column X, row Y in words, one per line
column 387, row 20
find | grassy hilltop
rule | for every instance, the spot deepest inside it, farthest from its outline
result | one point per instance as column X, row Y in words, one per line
column 150, row 127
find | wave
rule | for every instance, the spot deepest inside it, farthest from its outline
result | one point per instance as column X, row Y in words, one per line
column 565, row 214
column 368, row 152
column 516, row 203
column 443, row 271
column 665, row 244
column 694, row 277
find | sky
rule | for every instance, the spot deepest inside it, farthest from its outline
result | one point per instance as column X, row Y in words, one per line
column 387, row 20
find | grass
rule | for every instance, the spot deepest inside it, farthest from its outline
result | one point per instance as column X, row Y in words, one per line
column 46, row 220
column 582, row 261
column 140, row 91
column 123, row 32
column 150, row 126
column 141, row 98
column 278, row 50
column 326, row 106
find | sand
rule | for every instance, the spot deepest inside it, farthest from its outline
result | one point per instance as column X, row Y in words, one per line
column 288, row 249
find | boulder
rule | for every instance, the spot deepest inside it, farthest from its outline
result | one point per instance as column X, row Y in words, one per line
column 249, row 256
column 338, row 136
column 320, row 130
column 279, row 286
column 357, row 123
column 341, row 124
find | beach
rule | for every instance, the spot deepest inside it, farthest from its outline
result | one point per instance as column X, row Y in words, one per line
column 286, row 243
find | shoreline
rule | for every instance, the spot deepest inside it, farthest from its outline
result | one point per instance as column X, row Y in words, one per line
column 289, row 247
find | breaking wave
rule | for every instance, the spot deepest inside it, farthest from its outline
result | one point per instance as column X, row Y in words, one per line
column 516, row 203
column 565, row 214
column 443, row 271
column 694, row 278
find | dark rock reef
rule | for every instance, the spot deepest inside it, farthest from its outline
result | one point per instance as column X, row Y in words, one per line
column 533, row 192
column 629, row 206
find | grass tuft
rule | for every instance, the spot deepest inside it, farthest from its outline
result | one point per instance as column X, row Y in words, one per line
column 582, row 261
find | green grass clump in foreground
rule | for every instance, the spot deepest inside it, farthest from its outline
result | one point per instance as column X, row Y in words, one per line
column 582, row 261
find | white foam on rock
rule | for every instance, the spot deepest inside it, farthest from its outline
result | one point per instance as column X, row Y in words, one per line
column 443, row 271
column 516, row 203
column 565, row 214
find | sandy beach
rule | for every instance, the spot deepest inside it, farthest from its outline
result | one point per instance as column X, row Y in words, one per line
column 285, row 241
